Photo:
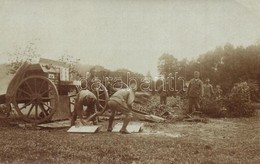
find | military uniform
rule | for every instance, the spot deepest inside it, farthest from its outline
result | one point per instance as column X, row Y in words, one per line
column 208, row 91
column 84, row 98
column 195, row 91
column 121, row 101
column 163, row 95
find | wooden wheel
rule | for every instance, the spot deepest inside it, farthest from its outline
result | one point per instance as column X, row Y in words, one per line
column 102, row 97
column 36, row 99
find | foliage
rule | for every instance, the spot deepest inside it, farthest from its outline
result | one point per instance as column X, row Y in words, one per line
column 167, row 64
column 213, row 108
column 236, row 104
column 224, row 66
column 29, row 53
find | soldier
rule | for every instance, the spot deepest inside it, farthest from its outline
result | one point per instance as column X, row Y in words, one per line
column 195, row 91
column 218, row 92
column 84, row 98
column 163, row 94
column 92, row 78
column 122, row 101
column 208, row 89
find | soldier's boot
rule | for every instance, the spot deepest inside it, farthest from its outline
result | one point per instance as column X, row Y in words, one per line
column 125, row 123
column 110, row 124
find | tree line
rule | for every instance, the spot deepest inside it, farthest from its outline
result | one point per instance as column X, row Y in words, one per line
column 224, row 66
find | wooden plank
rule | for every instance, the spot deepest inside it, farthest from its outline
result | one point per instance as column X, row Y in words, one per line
column 133, row 127
column 150, row 117
column 58, row 124
column 84, row 129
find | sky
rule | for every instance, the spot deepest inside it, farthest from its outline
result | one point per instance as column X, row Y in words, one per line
column 130, row 34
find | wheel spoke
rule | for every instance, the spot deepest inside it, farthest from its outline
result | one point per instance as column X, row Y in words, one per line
column 26, row 104
column 43, row 109
column 101, row 106
column 29, row 112
column 102, row 93
column 39, row 91
column 28, row 86
column 48, row 106
column 46, row 91
column 21, row 90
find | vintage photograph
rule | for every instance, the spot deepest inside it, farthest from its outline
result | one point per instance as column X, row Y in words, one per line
column 130, row 81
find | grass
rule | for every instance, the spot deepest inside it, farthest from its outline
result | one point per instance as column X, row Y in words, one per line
column 219, row 141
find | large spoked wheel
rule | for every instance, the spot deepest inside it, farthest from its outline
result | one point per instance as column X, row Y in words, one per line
column 36, row 99
column 102, row 97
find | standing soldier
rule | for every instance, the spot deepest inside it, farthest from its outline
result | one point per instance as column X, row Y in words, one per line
column 208, row 89
column 195, row 91
column 91, row 79
column 163, row 94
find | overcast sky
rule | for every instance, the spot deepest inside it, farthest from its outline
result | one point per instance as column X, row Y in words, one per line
column 129, row 34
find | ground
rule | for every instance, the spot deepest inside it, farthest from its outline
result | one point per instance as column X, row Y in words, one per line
column 232, row 140
column 217, row 141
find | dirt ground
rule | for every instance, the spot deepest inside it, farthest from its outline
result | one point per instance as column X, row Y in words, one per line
column 217, row 141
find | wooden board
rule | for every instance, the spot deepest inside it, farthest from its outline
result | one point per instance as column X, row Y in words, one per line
column 133, row 127
column 151, row 118
column 57, row 124
column 84, row 129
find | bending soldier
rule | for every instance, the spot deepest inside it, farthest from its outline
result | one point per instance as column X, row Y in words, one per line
column 84, row 98
column 122, row 101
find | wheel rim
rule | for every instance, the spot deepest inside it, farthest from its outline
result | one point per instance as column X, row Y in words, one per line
column 102, row 97
column 36, row 99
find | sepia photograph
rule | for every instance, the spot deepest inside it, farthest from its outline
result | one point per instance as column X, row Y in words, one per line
column 130, row 81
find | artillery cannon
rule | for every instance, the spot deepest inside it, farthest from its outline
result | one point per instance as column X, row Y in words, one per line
column 45, row 92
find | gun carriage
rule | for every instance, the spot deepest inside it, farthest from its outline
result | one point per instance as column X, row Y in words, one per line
column 45, row 92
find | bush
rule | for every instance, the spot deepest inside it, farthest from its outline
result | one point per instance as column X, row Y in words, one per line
column 237, row 104
column 213, row 108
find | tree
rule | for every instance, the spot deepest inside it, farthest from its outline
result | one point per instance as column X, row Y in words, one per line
column 29, row 54
column 167, row 64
